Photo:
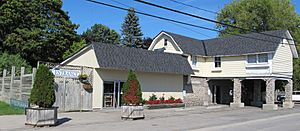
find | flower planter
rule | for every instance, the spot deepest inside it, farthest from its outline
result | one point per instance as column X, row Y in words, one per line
column 87, row 87
column 161, row 106
column 41, row 116
column 132, row 112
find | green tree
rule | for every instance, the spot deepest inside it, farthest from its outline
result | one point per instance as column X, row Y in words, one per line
column 101, row 33
column 131, row 30
column 42, row 93
column 7, row 61
column 74, row 48
column 132, row 90
column 262, row 15
column 37, row 30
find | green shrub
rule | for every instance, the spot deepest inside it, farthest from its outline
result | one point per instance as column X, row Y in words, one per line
column 42, row 93
column 9, row 60
column 132, row 90
column 162, row 98
column 171, row 98
column 153, row 97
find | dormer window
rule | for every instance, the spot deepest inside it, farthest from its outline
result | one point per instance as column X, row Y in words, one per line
column 166, row 42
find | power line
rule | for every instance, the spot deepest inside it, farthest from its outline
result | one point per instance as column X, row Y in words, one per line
column 178, row 2
column 170, row 22
column 206, row 19
column 175, row 21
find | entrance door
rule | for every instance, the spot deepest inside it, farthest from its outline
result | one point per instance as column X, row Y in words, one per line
column 112, row 94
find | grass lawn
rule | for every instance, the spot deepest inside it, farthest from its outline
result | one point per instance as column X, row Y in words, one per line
column 6, row 109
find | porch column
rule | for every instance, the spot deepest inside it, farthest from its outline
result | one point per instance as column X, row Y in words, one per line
column 288, row 103
column 237, row 94
column 270, row 91
column 257, row 93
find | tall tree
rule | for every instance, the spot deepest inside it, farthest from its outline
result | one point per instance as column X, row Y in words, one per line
column 147, row 42
column 262, row 15
column 101, row 33
column 74, row 48
column 131, row 30
column 37, row 29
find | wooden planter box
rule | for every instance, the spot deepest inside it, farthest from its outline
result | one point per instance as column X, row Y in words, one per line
column 132, row 112
column 161, row 106
column 41, row 116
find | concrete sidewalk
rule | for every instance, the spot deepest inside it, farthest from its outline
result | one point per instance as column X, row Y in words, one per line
column 162, row 119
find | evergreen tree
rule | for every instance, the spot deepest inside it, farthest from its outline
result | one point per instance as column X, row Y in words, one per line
column 132, row 90
column 42, row 93
column 131, row 30
column 74, row 48
column 101, row 33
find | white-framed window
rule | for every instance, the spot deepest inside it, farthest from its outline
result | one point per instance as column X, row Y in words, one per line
column 194, row 60
column 217, row 62
column 165, row 42
column 258, row 58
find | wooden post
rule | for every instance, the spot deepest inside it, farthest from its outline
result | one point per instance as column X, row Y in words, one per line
column 13, row 70
column 3, row 84
column 33, row 76
column 21, row 82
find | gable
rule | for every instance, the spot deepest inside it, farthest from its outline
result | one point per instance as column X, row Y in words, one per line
column 159, row 44
column 86, row 57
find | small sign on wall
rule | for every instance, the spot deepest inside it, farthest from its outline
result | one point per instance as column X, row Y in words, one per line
column 66, row 73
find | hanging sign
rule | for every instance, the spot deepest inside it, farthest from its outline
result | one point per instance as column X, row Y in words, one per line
column 66, row 73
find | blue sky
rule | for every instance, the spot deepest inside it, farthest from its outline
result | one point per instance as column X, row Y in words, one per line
column 87, row 14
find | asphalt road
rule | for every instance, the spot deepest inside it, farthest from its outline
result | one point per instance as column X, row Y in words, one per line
column 195, row 118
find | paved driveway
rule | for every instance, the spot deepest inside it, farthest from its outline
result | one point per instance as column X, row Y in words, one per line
column 195, row 118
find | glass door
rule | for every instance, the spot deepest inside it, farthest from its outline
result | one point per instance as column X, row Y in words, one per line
column 112, row 95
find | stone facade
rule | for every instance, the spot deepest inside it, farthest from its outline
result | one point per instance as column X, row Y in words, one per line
column 270, row 90
column 237, row 93
column 288, row 95
column 197, row 92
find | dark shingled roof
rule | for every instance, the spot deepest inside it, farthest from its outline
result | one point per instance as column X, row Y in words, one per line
column 124, row 58
column 232, row 45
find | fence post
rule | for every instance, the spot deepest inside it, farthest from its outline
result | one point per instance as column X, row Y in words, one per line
column 33, row 76
column 3, row 84
column 13, row 69
column 21, row 82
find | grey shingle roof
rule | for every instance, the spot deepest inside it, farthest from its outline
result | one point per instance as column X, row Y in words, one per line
column 232, row 45
column 124, row 58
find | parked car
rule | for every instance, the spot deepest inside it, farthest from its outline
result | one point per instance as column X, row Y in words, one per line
column 296, row 96
column 280, row 98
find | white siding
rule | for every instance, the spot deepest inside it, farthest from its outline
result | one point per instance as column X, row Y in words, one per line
column 157, row 83
column 171, row 46
column 283, row 61
column 86, row 58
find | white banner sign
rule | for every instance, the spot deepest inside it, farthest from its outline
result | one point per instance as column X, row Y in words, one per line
column 66, row 73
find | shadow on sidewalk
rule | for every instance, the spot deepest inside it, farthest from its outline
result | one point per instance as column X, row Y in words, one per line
column 63, row 120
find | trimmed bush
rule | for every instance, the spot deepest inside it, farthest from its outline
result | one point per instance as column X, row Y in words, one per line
column 132, row 90
column 42, row 93
column 153, row 97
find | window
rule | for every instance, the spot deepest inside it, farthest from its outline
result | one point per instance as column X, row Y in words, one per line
column 251, row 59
column 194, row 60
column 262, row 58
column 217, row 62
column 166, row 42
column 259, row 58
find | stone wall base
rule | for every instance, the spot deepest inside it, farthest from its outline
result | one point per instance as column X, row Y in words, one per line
column 288, row 104
column 236, row 105
column 270, row 107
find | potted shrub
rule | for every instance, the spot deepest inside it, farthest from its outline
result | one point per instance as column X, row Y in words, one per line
column 133, row 107
column 43, row 97
column 83, row 78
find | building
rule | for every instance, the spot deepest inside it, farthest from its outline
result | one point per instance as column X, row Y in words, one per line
column 158, row 72
column 236, row 70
